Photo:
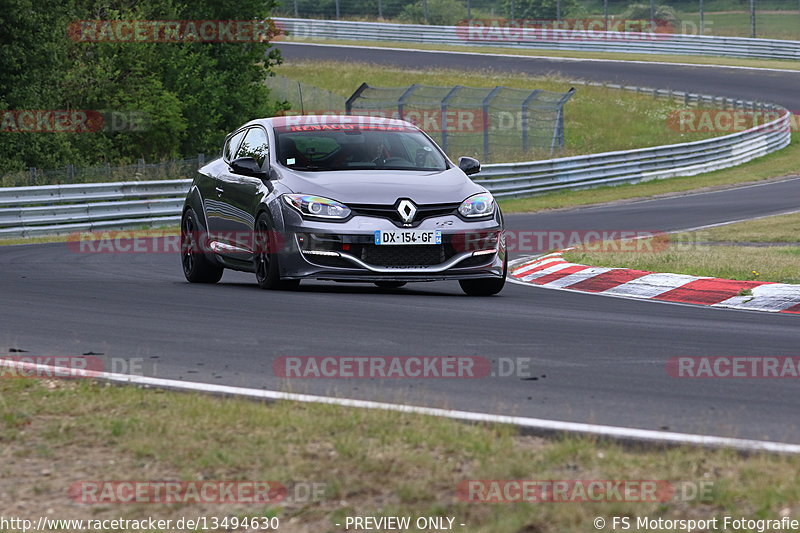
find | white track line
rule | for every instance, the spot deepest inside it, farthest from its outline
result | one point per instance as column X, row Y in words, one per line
column 549, row 58
column 540, row 424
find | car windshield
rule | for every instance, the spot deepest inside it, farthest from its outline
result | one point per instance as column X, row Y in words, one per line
column 324, row 147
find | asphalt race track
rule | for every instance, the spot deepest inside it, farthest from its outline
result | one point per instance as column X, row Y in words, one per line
column 595, row 359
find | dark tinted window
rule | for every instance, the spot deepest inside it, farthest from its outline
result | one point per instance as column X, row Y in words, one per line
column 356, row 147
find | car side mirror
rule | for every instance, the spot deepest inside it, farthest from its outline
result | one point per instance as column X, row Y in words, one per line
column 469, row 165
column 247, row 166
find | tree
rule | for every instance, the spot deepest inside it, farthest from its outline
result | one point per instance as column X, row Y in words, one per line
column 192, row 92
column 539, row 9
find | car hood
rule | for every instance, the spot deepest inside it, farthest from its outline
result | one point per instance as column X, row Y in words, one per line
column 384, row 186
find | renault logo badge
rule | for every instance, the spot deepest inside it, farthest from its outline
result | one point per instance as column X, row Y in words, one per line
column 407, row 210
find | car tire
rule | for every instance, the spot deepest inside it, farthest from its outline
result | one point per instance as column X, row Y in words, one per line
column 265, row 260
column 485, row 286
column 197, row 267
column 390, row 284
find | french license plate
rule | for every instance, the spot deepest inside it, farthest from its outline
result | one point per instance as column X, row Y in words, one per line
column 408, row 236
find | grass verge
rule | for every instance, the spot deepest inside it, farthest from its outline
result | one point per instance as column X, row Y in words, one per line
column 56, row 433
column 695, row 253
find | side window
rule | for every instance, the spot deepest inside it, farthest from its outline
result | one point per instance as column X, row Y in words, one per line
column 232, row 144
column 255, row 145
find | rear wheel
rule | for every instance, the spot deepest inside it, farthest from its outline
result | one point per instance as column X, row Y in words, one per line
column 196, row 266
column 485, row 286
column 266, row 258
column 390, row 284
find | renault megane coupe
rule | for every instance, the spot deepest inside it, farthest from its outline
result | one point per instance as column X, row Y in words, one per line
column 353, row 198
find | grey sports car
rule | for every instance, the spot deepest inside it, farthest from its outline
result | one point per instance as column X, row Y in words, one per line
column 349, row 198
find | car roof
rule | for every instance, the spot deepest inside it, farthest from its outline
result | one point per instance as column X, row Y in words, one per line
column 329, row 119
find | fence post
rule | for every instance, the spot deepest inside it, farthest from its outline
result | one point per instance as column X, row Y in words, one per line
column 558, row 131
column 348, row 104
column 401, row 102
column 605, row 14
column 380, row 9
column 337, row 9
column 70, row 173
column 485, row 109
column 201, row 160
column 702, row 19
column 425, row 7
column 525, row 104
column 32, row 175
column 445, row 101
column 296, row 12
column 753, row 19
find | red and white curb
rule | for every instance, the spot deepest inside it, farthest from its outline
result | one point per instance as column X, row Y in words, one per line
column 552, row 271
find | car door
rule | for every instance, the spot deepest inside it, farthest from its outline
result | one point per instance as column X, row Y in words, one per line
column 242, row 194
column 213, row 198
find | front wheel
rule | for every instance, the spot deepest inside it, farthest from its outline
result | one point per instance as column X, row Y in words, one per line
column 196, row 266
column 266, row 258
column 485, row 286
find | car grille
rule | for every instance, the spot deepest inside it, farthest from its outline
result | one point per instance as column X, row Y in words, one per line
column 402, row 256
column 390, row 211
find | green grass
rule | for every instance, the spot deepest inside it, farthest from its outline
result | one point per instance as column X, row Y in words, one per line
column 367, row 462
column 769, row 25
column 777, row 229
column 596, row 119
column 688, row 253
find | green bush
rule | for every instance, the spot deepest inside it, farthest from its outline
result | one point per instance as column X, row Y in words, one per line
column 440, row 12
column 642, row 12
column 539, row 9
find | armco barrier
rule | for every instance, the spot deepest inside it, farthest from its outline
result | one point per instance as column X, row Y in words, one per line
column 53, row 209
column 595, row 41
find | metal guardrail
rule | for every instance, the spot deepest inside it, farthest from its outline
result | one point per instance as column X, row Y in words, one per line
column 59, row 209
column 596, row 41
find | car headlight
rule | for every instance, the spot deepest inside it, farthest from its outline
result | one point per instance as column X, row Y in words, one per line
column 479, row 205
column 317, row 206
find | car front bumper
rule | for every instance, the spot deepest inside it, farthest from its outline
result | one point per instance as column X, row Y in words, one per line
column 345, row 251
